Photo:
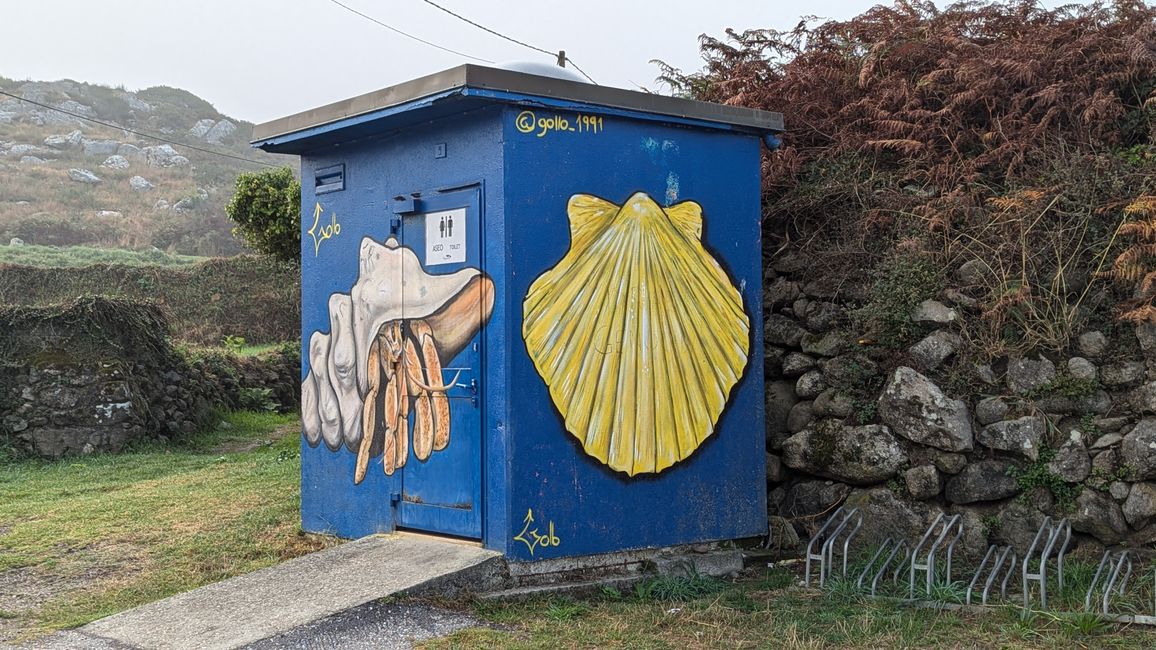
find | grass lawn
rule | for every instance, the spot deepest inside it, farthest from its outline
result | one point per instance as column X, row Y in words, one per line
column 86, row 537
column 766, row 610
column 74, row 256
column 255, row 349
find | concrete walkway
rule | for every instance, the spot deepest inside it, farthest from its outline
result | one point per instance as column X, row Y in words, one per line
column 248, row 608
column 373, row 626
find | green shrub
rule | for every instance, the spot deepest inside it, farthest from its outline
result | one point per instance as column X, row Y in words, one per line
column 234, row 343
column 257, row 399
column 267, row 210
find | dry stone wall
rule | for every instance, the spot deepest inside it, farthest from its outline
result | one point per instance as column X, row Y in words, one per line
column 907, row 433
column 99, row 374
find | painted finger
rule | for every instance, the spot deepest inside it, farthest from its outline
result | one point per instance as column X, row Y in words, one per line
column 413, row 365
column 384, row 357
column 441, row 420
column 392, row 422
column 404, row 391
column 423, row 339
column 423, row 433
column 343, row 368
column 310, row 418
column 365, row 446
column 402, row 433
column 439, row 403
column 368, row 413
column 328, row 411
column 394, row 337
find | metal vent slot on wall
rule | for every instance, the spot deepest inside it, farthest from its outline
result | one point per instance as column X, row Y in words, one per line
column 329, row 179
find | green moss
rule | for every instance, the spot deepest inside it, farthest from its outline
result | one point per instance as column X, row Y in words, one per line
column 898, row 485
column 864, row 411
column 900, row 283
column 1066, row 386
column 991, row 525
column 1038, row 475
column 823, row 437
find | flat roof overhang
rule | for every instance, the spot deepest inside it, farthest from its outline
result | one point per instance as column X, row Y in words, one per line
column 469, row 87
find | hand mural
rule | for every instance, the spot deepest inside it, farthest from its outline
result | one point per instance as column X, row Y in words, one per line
column 382, row 360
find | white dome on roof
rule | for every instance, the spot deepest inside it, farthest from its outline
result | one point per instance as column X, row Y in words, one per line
column 542, row 70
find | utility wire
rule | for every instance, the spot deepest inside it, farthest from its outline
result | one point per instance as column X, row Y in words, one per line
column 571, row 62
column 487, row 29
column 139, row 133
column 508, row 38
column 407, row 35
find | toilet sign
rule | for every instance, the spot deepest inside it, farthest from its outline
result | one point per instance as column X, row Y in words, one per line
column 445, row 237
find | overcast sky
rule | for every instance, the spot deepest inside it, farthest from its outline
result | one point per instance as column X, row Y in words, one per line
column 261, row 59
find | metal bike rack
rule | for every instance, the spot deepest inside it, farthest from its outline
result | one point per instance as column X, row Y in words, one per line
column 1001, row 563
column 901, row 545
column 884, row 556
column 934, row 553
column 883, row 548
column 928, row 565
column 1049, row 533
column 1121, row 561
column 842, row 521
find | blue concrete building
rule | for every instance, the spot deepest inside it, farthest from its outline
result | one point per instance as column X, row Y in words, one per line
column 531, row 314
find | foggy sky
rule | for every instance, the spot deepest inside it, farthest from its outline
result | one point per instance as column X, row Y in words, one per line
column 261, row 59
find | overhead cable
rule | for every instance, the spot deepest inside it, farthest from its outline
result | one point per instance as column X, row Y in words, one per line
column 407, row 34
column 462, row 18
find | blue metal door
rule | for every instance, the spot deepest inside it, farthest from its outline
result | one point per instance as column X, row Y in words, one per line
column 441, row 480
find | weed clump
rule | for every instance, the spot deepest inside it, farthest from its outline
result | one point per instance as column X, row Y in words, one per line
column 1066, row 386
column 1038, row 475
column 679, row 588
column 899, row 284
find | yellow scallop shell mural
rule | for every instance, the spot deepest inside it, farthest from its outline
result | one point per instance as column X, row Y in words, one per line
column 638, row 332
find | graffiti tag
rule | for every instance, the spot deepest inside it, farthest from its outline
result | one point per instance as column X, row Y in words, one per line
column 320, row 232
column 532, row 538
column 528, row 122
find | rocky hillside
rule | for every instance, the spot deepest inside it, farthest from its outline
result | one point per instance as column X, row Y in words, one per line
column 68, row 181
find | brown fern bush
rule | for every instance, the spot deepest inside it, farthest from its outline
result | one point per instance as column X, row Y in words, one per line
column 1002, row 134
column 1135, row 267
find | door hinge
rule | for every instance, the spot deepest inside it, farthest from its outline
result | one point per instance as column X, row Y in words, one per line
column 394, row 498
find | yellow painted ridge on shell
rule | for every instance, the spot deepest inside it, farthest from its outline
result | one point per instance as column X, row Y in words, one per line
column 638, row 332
